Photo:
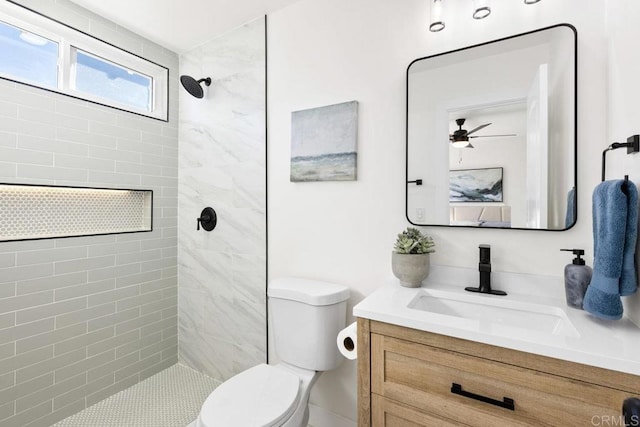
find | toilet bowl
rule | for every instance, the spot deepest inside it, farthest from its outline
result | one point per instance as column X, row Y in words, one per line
column 306, row 316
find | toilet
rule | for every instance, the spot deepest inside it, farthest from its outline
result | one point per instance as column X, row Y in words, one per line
column 306, row 316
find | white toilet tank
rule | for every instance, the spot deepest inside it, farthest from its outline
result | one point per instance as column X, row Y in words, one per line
column 306, row 318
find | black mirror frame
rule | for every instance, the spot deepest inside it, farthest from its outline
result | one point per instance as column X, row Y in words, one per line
column 575, row 131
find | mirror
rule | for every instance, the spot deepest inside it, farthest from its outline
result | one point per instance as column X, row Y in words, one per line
column 491, row 134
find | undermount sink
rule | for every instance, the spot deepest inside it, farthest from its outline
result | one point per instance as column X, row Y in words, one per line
column 506, row 317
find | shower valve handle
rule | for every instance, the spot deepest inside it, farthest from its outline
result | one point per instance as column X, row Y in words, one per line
column 208, row 219
column 204, row 218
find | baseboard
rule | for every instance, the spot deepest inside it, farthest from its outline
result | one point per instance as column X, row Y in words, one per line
column 320, row 417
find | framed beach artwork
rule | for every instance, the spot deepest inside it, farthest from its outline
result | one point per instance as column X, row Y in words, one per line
column 475, row 185
column 323, row 143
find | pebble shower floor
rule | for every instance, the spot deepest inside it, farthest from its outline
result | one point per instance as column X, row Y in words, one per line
column 171, row 398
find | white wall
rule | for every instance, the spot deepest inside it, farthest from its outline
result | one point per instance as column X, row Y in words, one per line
column 325, row 52
column 624, row 109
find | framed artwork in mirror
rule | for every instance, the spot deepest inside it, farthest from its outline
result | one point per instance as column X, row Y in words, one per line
column 475, row 185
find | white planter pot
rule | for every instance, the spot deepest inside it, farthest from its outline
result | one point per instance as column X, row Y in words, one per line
column 411, row 269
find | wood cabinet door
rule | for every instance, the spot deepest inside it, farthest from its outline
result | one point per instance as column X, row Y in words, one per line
column 423, row 377
column 389, row 413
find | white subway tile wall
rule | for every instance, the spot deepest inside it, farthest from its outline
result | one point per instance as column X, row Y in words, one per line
column 83, row 318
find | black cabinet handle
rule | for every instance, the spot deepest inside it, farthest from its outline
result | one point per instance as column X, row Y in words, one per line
column 631, row 411
column 505, row 403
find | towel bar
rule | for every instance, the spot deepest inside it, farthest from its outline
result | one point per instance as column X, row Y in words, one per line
column 633, row 146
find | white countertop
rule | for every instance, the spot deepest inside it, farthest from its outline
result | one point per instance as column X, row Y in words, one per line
column 611, row 345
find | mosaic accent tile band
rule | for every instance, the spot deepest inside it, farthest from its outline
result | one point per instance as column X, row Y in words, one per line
column 40, row 212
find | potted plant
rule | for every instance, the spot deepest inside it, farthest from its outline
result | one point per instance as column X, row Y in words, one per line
column 410, row 258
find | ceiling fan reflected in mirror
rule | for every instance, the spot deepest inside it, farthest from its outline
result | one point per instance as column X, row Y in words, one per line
column 460, row 137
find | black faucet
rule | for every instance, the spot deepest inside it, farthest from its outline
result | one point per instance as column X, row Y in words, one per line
column 484, row 267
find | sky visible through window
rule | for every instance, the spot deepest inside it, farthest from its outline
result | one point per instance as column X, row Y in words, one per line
column 105, row 79
column 28, row 57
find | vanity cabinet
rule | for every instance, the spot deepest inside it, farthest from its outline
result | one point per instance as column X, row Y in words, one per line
column 414, row 378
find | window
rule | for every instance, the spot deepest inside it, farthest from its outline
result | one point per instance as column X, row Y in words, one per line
column 29, row 56
column 106, row 79
column 41, row 52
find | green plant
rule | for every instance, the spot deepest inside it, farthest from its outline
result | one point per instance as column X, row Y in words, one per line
column 412, row 241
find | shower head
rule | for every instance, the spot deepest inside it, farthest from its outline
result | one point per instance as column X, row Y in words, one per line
column 193, row 86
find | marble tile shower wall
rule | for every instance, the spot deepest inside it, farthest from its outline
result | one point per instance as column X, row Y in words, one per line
column 83, row 318
column 222, row 274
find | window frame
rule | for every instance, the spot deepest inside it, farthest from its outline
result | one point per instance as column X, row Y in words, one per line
column 69, row 41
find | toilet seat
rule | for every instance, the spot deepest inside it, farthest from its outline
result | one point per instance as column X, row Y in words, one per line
column 262, row 396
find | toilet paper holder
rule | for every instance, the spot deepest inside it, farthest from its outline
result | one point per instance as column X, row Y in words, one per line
column 349, row 344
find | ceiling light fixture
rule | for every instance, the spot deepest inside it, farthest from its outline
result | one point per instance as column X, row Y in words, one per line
column 437, row 16
column 462, row 144
column 481, row 9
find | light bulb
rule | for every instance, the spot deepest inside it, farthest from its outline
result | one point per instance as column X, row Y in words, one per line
column 460, row 144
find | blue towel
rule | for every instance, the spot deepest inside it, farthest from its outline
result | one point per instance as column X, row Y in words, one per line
column 629, row 279
column 610, row 206
column 570, row 217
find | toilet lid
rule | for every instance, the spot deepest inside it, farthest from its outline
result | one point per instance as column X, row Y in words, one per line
column 261, row 396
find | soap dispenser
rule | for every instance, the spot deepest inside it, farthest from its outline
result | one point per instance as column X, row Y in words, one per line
column 577, row 277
